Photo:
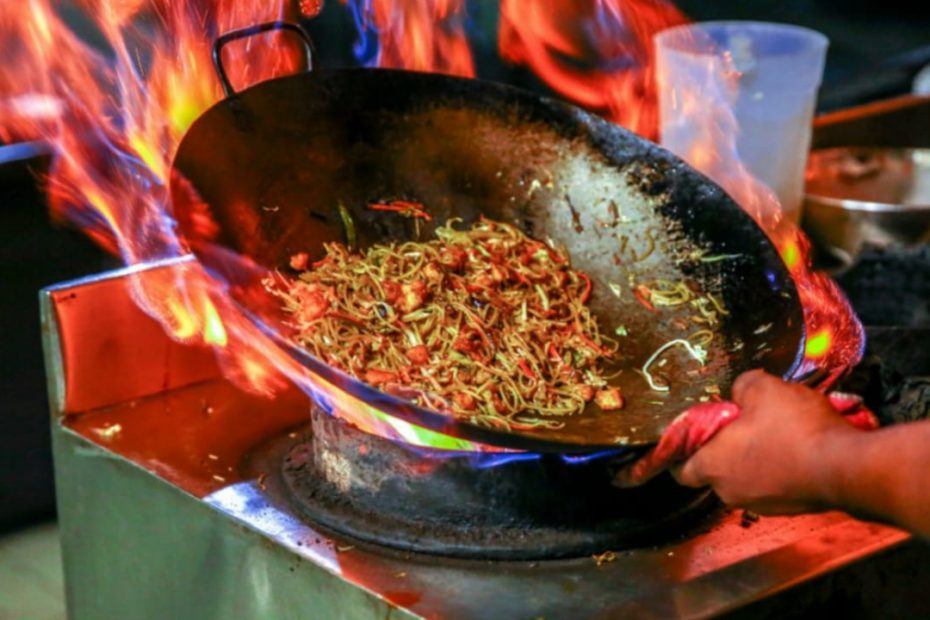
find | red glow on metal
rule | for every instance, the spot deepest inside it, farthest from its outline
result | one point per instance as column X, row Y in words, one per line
column 596, row 53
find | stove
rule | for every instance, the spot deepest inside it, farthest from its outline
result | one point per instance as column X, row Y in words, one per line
column 180, row 494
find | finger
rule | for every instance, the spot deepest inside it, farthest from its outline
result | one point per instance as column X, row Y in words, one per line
column 625, row 479
column 745, row 383
column 639, row 472
column 759, row 389
column 689, row 473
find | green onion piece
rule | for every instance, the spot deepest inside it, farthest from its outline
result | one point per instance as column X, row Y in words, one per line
column 348, row 224
column 543, row 298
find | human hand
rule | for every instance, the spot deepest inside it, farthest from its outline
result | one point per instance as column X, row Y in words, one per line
column 780, row 455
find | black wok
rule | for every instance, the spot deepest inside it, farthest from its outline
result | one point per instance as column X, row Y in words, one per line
column 274, row 161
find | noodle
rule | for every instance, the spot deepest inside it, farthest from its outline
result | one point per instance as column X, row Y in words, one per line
column 488, row 322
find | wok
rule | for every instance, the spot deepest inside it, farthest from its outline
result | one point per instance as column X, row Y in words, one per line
column 269, row 165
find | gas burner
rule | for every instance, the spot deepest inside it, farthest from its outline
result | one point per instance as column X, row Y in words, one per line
column 477, row 505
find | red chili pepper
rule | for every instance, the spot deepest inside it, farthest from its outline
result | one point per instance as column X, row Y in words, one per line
column 642, row 295
column 590, row 343
column 555, row 257
column 499, row 405
column 405, row 208
column 588, row 285
column 553, row 354
column 535, row 246
column 526, row 370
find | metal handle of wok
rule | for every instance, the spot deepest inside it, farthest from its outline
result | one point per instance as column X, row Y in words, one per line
column 820, row 378
column 250, row 31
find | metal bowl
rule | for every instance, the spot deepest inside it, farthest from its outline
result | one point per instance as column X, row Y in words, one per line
column 859, row 196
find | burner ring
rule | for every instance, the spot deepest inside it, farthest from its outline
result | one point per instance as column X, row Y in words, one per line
column 383, row 493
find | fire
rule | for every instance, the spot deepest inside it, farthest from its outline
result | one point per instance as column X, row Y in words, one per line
column 418, row 35
column 597, row 53
column 114, row 119
column 109, row 130
column 818, row 344
column 834, row 335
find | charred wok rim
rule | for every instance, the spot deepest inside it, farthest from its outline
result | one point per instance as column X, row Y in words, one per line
column 569, row 122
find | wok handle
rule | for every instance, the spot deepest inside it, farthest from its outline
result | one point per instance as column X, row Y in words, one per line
column 250, row 31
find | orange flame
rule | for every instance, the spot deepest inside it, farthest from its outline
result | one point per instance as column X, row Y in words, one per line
column 115, row 120
column 597, row 53
column 704, row 98
column 420, row 35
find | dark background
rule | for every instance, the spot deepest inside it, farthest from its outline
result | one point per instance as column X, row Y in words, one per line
column 876, row 49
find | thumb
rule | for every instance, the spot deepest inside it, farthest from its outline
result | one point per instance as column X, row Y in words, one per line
column 745, row 383
column 690, row 473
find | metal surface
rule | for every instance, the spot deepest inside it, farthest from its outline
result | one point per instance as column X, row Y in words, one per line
column 141, row 541
column 118, row 333
column 270, row 174
column 876, row 196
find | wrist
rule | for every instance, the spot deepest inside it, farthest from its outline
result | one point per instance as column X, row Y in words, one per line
column 837, row 453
